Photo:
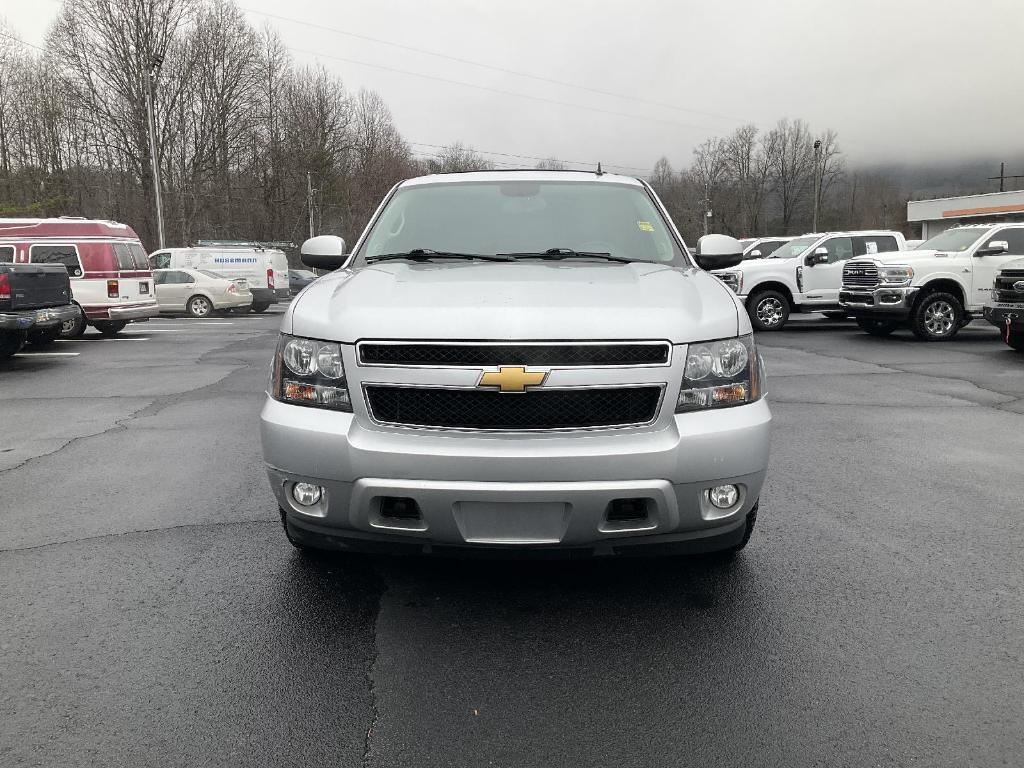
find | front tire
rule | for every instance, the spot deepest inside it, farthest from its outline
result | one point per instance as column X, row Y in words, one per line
column 200, row 306
column 11, row 343
column 110, row 328
column 73, row 329
column 937, row 317
column 768, row 310
column 875, row 327
column 259, row 309
column 1015, row 339
column 43, row 337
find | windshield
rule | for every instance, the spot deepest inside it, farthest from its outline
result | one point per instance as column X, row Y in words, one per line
column 794, row 248
column 519, row 216
column 954, row 240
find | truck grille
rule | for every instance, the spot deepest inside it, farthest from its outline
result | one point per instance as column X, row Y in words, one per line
column 860, row 274
column 1003, row 289
column 474, row 355
column 547, row 409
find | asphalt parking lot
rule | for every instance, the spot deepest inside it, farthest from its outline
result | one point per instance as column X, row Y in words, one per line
column 153, row 613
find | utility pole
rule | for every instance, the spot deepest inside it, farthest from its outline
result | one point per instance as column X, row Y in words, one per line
column 1002, row 177
column 707, row 208
column 309, row 199
column 151, row 76
column 817, row 183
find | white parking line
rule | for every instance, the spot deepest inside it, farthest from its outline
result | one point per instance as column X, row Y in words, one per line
column 157, row 330
column 48, row 354
column 188, row 322
column 128, row 338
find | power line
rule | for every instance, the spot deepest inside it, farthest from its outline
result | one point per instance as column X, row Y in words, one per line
column 532, row 157
column 492, row 67
column 502, row 91
column 17, row 39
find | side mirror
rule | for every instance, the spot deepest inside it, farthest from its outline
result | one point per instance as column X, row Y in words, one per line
column 754, row 254
column 993, row 249
column 323, row 252
column 718, row 252
column 820, row 256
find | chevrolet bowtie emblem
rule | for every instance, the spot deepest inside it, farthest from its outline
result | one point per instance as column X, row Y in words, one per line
column 512, row 378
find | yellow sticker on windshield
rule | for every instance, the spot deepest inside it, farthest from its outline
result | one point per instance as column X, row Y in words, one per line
column 645, row 226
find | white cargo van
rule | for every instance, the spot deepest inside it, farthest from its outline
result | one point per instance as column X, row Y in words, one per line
column 265, row 269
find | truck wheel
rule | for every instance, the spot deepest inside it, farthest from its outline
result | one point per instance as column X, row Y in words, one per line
column 259, row 309
column 73, row 329
column 199, row 306
column 110, row 327
column 11, row 343
column 768, row 310
column 874, row 327
column 43, row 337
column 1016, row 340
column 937, row 317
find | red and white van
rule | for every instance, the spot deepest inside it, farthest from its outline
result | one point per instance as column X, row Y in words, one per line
column 110, row 276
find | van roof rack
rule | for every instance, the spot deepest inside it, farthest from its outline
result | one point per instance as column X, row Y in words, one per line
column 244, row 244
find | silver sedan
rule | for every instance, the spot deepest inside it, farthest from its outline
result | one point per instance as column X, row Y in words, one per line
column 199, row 292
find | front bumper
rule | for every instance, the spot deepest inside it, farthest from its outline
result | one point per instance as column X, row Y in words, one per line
column 515, row 491
column 1004, row 314
column 883, row 300
column 48, row 317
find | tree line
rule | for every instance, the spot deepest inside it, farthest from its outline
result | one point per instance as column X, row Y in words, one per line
column 244, row 132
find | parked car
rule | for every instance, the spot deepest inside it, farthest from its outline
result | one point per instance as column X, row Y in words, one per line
column 199, row 292
column 34, row 300
column 762, row 247
column 111, row 282
column 518, row 360
column 1005, row 310
column 802, row 275
column 299, row 279
column 265, row 270
column 937, row 288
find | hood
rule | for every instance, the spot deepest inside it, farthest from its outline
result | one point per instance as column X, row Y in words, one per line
column 907, row 257
column 516, row 301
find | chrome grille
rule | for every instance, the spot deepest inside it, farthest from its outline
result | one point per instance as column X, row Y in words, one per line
column 1003, row 289
column 860, row 274
column 542, row 409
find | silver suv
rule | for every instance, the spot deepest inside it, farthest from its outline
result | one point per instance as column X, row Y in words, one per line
column 522, row 360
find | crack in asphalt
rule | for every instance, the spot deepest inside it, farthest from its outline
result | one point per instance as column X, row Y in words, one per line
column 895, row 367
column 161, row 529
column 154, row 405
column 371, row 667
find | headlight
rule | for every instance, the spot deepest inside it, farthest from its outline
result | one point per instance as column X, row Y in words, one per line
column 733, row 279
column 310, row 372
column 896, row 274
column 721, row 373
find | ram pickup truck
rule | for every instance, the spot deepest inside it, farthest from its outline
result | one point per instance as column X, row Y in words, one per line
column 1005, row 310
column 935, row 289
column 802, row 275
column 35, row 299
column 517, row 361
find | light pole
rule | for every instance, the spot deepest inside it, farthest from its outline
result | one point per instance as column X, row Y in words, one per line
column 817, row 182
column 151, row 76
column 707, row 208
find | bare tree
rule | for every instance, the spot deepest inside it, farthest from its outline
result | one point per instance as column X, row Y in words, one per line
column 792, row 165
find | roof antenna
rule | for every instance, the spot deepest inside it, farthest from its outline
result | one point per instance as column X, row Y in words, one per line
column 599, row 171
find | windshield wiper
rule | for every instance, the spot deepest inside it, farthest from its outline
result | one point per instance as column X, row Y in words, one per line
column 427, row 254
column 555, row 254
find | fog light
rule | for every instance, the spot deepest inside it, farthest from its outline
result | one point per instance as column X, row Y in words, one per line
column 306, row 494
column 724, row 496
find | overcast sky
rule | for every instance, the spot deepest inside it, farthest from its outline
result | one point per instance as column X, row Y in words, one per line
column 913, row 80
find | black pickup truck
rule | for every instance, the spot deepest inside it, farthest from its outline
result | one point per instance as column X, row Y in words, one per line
column 35, row 300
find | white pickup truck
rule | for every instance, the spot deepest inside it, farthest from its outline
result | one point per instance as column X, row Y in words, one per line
column 803, row 275
column 937, row 288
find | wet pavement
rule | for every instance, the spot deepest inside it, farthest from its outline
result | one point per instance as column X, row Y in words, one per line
column 153, row 613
